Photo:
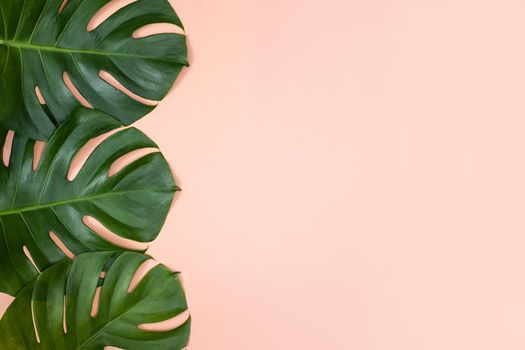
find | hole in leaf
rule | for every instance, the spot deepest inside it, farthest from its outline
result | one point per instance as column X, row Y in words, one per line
column 75, row 92
column 101, row 279
column 30, row 257
column 107, row 11
column 61, row 245
column 39, row 95
column 166, row 326
column 34, row 322
column 141, row 272
column 96, row 302
column 38, row 150
column 63, row 6
column 83, row 154
column 129, row 158
column 157, row 28
column 101, row 230
column 64, row 321
column 5, row 302
column 108, row 78
column 8, row 145
column 112, row 348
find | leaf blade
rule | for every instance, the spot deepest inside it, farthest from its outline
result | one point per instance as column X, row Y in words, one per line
column 133, row 203
column 40, row 44
column 157, row 297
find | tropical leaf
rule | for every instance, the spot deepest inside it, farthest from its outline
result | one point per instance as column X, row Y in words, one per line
column 62, row 300
column 37, row 204
column 43, row 43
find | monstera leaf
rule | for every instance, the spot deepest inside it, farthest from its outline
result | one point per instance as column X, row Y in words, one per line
column 62, row 299
column 37, row 204
column 45, row 44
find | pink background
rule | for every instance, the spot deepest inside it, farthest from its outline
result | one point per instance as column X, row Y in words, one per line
column 352, row 174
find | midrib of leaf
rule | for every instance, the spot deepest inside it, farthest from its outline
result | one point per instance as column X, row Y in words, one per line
column 71, row 201
column 32, row 46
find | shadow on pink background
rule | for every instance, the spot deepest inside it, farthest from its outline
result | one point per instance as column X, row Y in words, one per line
column 352, row 174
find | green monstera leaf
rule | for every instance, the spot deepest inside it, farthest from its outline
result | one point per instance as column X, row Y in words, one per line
column 61, row 300
column 45, row 45
column 40, row 206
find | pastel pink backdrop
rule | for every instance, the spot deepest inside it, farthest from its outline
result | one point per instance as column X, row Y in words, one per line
column 352, row 174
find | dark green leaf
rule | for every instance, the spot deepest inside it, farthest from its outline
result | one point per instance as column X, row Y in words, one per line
column 38, row 43
column 133, row 203
column 158, row 297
